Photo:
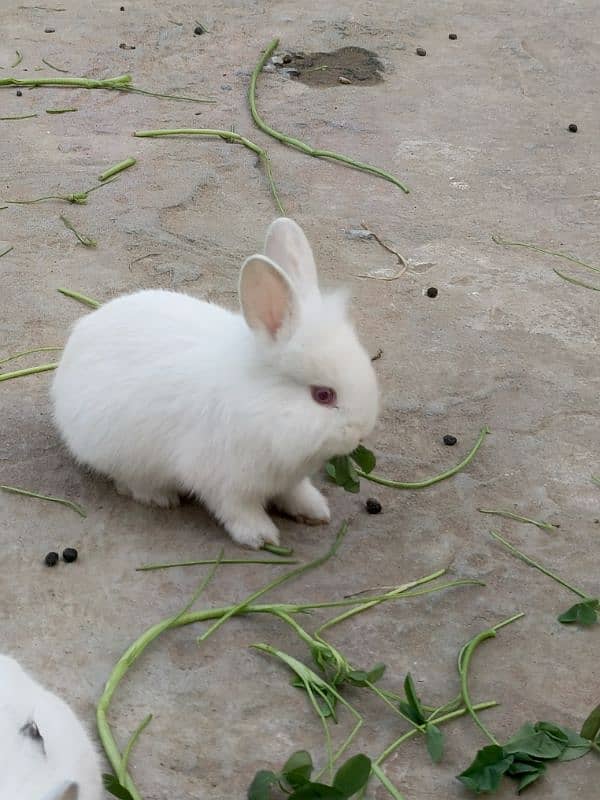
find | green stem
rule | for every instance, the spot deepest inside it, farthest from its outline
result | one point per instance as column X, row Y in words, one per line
column 537, row 566
column 122, row 772
column 500, row 512
column 19, row 116
column 436, row 478
column 129, row 657
column 277, row 582
column 19, row 55
column 120, row 82
column 60, row 110
column 576, row 281
column 27, row 353
column 499, row 240
column 20, row 373
column 69, row 503
column 228, row 136
column 58, row 69
column 385, row 781
column 85, row 240
column 277, row 550
column 464, row 660
column 204, row 561
column 8, row 249
column 81, row 298
column 296, row 143
column 125, row 164
column 362, row 605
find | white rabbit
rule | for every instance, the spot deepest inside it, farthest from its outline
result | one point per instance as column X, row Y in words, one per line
column 167, row 394
column 45, row 754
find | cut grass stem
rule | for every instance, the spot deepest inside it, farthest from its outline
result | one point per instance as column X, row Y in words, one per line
column 27, row 493
column 500, row 512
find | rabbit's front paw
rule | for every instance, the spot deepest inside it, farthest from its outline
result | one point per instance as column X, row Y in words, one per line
column 305, row 503
column 252, row 529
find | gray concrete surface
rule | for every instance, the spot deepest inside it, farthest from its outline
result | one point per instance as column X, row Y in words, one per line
column 478, row 129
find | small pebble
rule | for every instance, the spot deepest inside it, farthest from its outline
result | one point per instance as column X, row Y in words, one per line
column 51, row 560
column 69, row 555
column 373, row 506
column 573, row 127
column 432, row 292
column 199, row 30
column 450, row 440
column 49, row 30
column 421, row 51
column 453, row 36
column 125, row 46
column 19, row 93
column 343, row 79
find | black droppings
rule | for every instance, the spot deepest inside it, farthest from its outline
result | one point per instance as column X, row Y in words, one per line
column 51, row 560
column 373, row 506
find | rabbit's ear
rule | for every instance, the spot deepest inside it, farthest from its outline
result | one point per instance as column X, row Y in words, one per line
column 66, row 791
column 267, row 297
column 287, row 245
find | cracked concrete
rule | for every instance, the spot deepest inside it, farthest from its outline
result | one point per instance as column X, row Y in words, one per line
column 478, row 130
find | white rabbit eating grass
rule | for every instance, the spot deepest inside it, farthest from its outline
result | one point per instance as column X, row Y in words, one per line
column 169, row 395
column 45, row 754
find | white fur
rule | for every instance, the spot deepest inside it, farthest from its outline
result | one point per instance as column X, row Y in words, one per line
column 62, row 764
column 167, row 394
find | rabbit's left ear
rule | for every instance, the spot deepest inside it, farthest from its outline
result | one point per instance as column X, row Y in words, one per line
column 286, row 244
column 66, row 791
column 268, row 299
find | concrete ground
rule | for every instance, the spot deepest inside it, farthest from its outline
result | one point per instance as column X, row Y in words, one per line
column 478, row 130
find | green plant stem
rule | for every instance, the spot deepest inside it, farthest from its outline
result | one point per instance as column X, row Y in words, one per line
column 16, row 63
column 131, row 655
column 79, row 198
column 277, row 582
column 362, row 605
column 302, row 146
column 18, row 116
column 60, row 110
column 85, row 240
column 69, row 503
column 21, row 373
column 596, row 479
column 204, row 561
column 499, row 240
column 81, row 298
column 58, row 69
column 125, row 164
column 500, row 512
column 122, row 772
column 464, row 660
column 436, row 478
column 537, row 566
column 385, row 781
column 277, row 550
column 28, row 353
column 8, row 249
column 228, row 136
column 576, row 281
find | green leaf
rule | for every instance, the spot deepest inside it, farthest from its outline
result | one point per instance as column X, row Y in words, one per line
column 360, row 677
column 317, row 791
column 259, row 788
column 530, row 741
column 112, row 786
column 591, row 727
column 584, row 613
column 531, row 777
column 435, row 742
column 376, row 673
column 341, row 470
column 298, row 769
column 487, row 769
column 352, row 775
column 364, row 458
column 576, row 747
column 418, row 714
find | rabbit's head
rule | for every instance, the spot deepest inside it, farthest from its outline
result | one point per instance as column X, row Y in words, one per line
column 322, row 378
column 45, row 753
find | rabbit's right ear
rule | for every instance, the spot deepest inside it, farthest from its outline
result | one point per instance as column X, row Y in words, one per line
column 66, row 791
column 286, row 244
column 268, row 299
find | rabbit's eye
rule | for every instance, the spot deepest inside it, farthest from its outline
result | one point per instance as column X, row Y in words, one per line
column 323, row 395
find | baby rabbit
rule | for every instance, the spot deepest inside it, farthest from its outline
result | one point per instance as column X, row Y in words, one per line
column 45, row 754
column 167, row 394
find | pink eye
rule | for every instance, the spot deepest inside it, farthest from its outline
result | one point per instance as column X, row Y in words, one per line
column 323, row 395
